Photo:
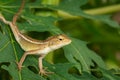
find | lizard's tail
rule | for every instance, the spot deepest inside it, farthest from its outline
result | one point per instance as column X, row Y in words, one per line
column 13, row 27
column 15, row 17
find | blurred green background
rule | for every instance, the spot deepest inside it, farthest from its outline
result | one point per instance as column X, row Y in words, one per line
column 101, row 38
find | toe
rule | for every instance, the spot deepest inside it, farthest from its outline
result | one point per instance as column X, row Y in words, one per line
column 43, row 72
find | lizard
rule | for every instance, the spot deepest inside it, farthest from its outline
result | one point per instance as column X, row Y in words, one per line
column 33, row 46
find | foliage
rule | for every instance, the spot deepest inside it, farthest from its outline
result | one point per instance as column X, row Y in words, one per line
column 81, row 63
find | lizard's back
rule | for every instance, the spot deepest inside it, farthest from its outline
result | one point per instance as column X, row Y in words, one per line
column 27, row 43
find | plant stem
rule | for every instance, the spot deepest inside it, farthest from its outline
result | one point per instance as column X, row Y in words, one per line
column 97, row 11
column 50, row 2
column 103, row 10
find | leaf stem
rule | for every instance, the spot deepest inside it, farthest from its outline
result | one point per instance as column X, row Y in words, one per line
column 51, row 2
column 13, row 45
column 96, row 11
column 103, row 10
column 15, row 51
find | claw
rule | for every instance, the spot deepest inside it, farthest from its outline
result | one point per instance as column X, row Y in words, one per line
column 45, row 73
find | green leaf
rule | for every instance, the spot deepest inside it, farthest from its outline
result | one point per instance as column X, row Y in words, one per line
column 5, row 46
column 8, row 53
column 25, row 75
column 61, row 72
column 86, row 76
column 40, row 24
column 77, row 52
column 108, row 75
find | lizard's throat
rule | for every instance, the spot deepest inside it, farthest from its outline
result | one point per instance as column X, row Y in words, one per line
column 56, row 47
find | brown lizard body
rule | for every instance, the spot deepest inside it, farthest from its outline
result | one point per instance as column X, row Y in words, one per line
column 35, row 47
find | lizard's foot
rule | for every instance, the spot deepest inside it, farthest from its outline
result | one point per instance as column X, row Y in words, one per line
column 19, row 66
column 45, row 73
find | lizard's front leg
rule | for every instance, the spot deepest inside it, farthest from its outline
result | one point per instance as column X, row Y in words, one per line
column 19, row 64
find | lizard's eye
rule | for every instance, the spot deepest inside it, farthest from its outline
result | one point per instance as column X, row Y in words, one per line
column 60, row 39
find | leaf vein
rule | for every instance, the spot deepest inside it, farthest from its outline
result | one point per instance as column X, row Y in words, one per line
column 4, row 46
column 83, row 61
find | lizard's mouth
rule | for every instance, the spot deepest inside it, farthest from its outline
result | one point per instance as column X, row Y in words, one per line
column 69, row 42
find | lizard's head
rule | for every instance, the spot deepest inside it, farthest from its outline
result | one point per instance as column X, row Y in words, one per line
column 58, row 41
